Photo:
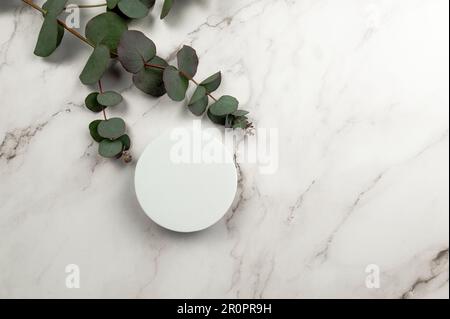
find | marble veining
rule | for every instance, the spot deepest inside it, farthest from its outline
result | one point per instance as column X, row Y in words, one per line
column 358, row 90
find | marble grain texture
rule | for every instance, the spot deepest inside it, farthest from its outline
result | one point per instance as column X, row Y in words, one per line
column 358, row 90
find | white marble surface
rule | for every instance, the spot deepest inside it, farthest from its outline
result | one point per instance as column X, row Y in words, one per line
column 359, row 92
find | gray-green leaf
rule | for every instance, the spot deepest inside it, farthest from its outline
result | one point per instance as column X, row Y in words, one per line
column 133, row 9
column 93, row 126
column 216, row 119
column 199, row 107
column 134, row 50
column 166, row 8
column 54, row 7
column 112, row 3
column 199, row 101
column 239, row 113
column 224, row 106
column 176, row 84
column 50, row 36
column 110, row 149
column 150, row 80
column 109, row 98
column 92, row 103
column 107, row 29
column 112, row 128
column 126, row 142
column 199, row 94
column 187, row 61
column 213, row 82
column 96, row 66
column 240, row 122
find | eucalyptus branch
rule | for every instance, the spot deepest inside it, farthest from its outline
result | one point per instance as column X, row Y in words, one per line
column 109, row 36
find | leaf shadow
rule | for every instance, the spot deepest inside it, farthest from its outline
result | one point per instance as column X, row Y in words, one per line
column 9, row 5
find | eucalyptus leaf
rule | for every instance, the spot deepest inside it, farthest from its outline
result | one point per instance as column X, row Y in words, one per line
column 167, row 6
column 175, row 84
column 150, row 80
column 92, row 103
column 112, row 3
column 110, row 149
column 148, row 3
column 240, row 122
column 239, row 113
column 213, row 82
column 216, row 119
column 134, row 50
column 229, row 121
column 187, row 61
column 126, row 142
column 50, row 37
column 109, row 98
column 54, row 7
column 224, row 106
column 96, row 66
column 106, row 28
column 199, row 101
column 133, row 9
column 112, row 128
column 199, row 107
column 93, row 126
column 199, row 94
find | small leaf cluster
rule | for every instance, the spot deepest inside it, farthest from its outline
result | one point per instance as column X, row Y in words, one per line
column 109, row 133
column 154, row 76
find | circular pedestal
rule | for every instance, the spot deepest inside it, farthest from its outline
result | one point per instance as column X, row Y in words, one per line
column 186, row 181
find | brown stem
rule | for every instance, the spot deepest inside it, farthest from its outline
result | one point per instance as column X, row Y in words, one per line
column 74, row 32
column 198, row 84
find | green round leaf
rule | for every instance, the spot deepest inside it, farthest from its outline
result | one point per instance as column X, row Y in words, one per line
column 133, row 9
column 240, row 122
column 92, row 103
column 93, row 129
column 216, row 119
column 110, row 149
column 150, row 81
column 239, row 113
column 107, row 29
column 126, row 142
column 134, row 50
column 112, row 128
column 109, row 98
column 229, row 121
column 187, row 61
column 166, row 8
column 96, row 66
column 176, row 84
column 50, row 36
column 199, row 101
column 148, row 3
column 224, row 106
column 199, row 107
column 112, row 3
column 199, row 94
column 213, row 82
